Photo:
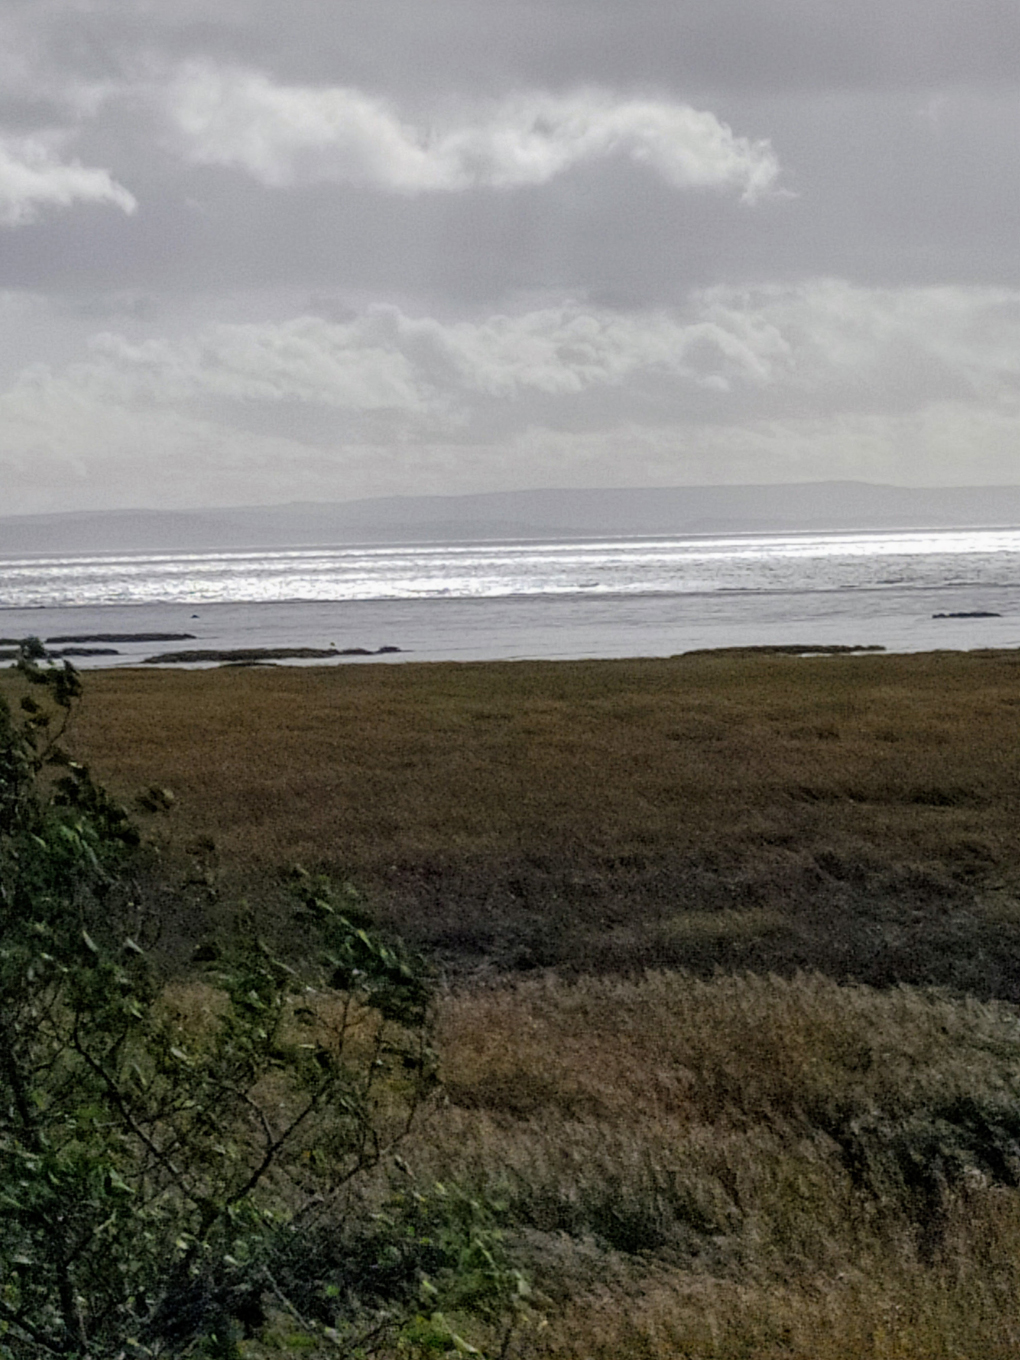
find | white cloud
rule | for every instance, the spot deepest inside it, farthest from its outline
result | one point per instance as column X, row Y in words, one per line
column 42, row 109
column 32, row 176
column 566, row 350
column 304, row 360
column 826, row 343
column 846, row 345
column 384, row 360
column 292, row 134
column 821, row 379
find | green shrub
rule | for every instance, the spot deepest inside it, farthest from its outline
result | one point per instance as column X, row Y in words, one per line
column 167, row 1156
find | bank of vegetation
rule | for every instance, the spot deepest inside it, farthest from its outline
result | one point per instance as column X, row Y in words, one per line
column 708, row 1043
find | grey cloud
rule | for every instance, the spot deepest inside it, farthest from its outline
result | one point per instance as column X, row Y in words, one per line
column 772, row 45
column 73, row 54
column 591, row 325
column 40, row 110
column 883, row 198
column 112, row 307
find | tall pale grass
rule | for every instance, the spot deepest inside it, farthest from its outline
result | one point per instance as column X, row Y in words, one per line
column 670, row 1154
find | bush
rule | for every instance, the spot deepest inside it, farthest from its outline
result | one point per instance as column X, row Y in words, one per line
column 162, row 1153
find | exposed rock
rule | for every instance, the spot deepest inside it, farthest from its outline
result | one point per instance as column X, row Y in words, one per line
column 242, row 654
column 789, row 649
column 121, row 637
column 254, row 655
column 66, row 651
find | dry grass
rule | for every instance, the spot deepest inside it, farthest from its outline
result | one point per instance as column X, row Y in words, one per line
column 727, row 1169
column 744, row 1167
column 855, row 814
column 902, row 1317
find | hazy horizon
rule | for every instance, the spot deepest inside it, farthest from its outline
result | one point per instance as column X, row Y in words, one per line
column 551, row 490
column 564, row 513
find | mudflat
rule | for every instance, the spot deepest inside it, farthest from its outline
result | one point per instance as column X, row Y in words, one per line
column 853, row 814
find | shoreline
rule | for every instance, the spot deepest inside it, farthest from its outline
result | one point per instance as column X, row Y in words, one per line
column 319, row 658
column 555, row 627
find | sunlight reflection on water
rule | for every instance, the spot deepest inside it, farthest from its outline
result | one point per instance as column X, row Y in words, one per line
column 802, row 562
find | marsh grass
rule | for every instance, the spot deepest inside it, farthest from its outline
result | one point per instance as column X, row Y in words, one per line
column 852, row 814
column 740, row 1167
column 747, row 1166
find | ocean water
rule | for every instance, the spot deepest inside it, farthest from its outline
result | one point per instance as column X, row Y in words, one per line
column 655, row 596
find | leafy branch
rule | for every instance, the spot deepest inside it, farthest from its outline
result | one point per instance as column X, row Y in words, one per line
column 154, row 1162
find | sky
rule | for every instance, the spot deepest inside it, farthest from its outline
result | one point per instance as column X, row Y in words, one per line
column 253, row 253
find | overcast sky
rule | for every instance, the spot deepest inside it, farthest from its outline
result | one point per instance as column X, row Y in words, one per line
column 254, row 252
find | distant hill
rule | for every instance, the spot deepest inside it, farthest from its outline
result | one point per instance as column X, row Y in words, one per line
column 519, row 514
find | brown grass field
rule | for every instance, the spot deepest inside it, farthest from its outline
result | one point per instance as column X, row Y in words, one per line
column 852, row 814
column 731, row 960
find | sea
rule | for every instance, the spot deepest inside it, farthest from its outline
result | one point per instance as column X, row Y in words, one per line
column 905, row 591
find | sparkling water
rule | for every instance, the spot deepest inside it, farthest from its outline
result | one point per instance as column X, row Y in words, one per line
column 609, row 597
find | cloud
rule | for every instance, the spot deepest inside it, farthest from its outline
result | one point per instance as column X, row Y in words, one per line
column 294, row 134
column 946, row 443
column 303, row 360
column 32, row 177
column 384, row 390
column 824, row 344
column 881, row 348
column 384, row 360
column 63, row 445
column 815, row 380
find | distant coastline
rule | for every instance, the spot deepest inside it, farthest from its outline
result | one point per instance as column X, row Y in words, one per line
column 561, row 514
